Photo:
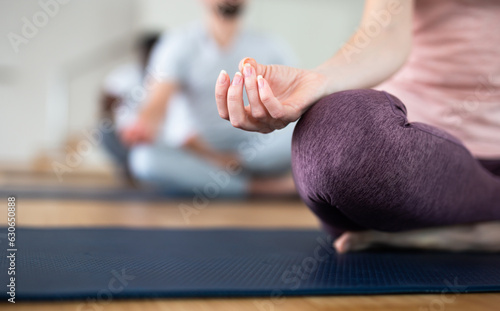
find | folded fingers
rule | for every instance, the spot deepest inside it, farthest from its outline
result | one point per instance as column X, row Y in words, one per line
column 258, row 111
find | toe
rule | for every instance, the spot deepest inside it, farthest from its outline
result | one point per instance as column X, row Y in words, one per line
column 354, row 241
column 343, row 243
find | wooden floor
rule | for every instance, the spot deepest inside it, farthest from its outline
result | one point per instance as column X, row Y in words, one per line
column 217, row 214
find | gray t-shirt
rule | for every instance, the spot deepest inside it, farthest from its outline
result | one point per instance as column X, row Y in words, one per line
column 191, row 57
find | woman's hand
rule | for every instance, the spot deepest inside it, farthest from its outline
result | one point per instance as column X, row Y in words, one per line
column 277, row 94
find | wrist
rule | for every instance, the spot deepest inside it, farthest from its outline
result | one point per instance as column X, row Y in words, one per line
column 328, row 85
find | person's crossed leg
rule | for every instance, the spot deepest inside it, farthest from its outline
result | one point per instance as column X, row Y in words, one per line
column 359, row 165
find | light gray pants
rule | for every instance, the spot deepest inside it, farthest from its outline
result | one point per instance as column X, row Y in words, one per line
column 176, row 169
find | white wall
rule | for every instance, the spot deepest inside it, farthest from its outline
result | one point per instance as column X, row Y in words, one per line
column 49, row 90
column 50, row 84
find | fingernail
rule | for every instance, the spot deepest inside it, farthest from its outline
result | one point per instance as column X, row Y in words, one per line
column 222, row 77
column 237, row 79
column 247, row 70
column 260, row 81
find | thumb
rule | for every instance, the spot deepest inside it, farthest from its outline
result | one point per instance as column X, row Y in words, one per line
column 259, row 68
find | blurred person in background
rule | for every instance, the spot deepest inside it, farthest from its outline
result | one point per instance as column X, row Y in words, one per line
column 119, row 100
column 202, row 149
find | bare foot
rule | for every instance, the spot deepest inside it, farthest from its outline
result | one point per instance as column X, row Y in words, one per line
column 473, row 237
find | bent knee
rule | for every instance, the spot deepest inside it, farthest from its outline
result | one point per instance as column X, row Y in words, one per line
column 351, row 112
column 346, row 129
column 343, row 146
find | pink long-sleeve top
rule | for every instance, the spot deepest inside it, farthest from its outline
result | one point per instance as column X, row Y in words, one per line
column 452, row 77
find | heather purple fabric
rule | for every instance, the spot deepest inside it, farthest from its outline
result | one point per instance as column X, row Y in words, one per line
column 358, row 164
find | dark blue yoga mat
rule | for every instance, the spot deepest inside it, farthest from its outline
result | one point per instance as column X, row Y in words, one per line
column 127, row 263
column 101, row 194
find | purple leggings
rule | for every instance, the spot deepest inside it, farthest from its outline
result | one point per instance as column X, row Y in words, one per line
column 359, row 164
